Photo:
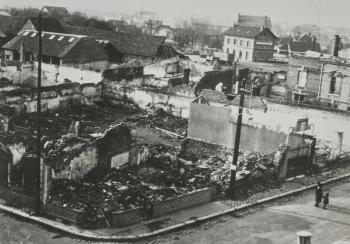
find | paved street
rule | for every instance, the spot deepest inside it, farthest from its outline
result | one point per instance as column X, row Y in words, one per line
column 279, row 224
column 13, row 230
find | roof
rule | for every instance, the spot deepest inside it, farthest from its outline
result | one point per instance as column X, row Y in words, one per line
column 53, row 44
column 304, row 46
column 11, row 25
column 48, row 24
column 306, row 38
column 246, row 31
column 126, row 43
column 250, row 20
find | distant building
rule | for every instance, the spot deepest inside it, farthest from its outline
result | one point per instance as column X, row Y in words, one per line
column 298, row 45
column 157, row 28
column 257, row 21
column 128, row 46
column 123, row 26
column 249, row 43
column 57, row 12
column 57, row 49
column 47, row 24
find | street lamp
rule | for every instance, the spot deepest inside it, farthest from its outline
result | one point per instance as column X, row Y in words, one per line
column 38, row 112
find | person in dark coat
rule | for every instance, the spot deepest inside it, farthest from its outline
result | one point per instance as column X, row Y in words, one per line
column 325, row 200
column 319, row 194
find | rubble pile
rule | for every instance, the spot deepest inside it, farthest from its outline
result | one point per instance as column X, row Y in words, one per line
column 159, row 118
column 159, row 178
column 256, row 166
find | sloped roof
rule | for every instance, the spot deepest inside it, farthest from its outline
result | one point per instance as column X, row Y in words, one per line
column 250, row 20
column 48, row 24
column 246, row 31
column 126, row 43
column 304, row 46
column 305, row 38
column 11, row 25
column 53, row 44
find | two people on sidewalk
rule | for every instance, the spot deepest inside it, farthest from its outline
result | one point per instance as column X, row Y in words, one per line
column 320, row 197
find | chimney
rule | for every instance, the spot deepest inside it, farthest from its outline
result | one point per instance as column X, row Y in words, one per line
column 336, row 46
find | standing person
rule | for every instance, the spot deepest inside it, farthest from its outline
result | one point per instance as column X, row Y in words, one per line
column 319, row 194
column 325, row 200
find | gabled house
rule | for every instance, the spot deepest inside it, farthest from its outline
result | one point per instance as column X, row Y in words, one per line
column 47, row 24
column 298, row 45
column 128, row 46
column 250, row 20
column 57, row 49
column 9, row 27
column 249, row 43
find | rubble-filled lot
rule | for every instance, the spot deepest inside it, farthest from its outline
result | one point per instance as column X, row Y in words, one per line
column 161, row 175
column 158, row 178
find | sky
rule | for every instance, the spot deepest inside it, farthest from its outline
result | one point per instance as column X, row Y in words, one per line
column 222, row 12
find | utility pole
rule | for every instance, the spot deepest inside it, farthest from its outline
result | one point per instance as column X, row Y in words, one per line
column 38, row 113
column 242, row 79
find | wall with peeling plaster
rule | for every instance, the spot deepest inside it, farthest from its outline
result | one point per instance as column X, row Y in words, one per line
column 216, row 125
column 79, row 166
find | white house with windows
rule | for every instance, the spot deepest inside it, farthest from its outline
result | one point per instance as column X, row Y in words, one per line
column 249, row 43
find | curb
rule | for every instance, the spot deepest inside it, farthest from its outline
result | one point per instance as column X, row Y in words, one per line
column 88, row 235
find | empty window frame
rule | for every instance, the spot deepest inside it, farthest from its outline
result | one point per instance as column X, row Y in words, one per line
column 335, row 83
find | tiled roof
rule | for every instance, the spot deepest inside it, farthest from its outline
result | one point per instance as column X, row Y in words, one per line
column 246, row 31
column 53, row 44
column 131, row 44
column 48, row 24
column 10, row 25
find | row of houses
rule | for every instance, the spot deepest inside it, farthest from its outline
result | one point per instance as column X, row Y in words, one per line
column 78, row 46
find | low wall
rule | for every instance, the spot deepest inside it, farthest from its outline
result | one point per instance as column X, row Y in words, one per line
column 17, row 198
column 73, row 216
column 119, row 219
column 129, row 217
column 183, row 202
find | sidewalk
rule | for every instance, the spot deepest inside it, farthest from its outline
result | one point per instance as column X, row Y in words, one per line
column 190, row 216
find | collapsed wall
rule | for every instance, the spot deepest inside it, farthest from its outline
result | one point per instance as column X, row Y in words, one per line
column 24, row 99
column 327, row 125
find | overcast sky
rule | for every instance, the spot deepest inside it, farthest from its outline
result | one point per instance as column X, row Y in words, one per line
column 320, row 12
